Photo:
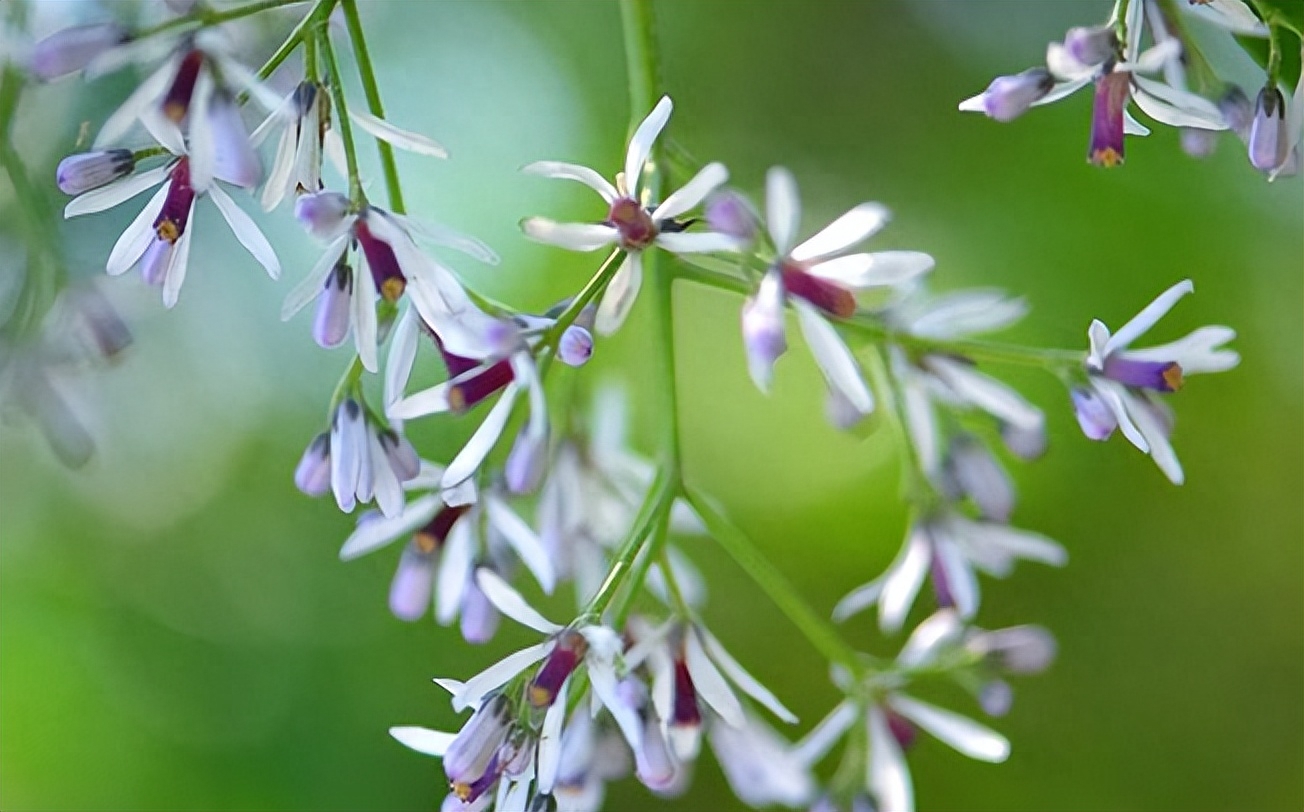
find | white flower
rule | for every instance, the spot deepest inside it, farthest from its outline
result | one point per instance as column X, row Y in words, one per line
column 388, row 264
column 1122, row 379
column 952, row 549
column 1233, row 15
column 631, row 222
column 760, row 765
column 159, row 238
column 358, row 460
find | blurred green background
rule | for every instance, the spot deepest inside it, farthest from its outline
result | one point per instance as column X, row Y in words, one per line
column 176, row 631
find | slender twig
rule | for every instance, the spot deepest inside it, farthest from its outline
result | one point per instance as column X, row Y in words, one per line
column 372, row 91
column 356, row 195
column 206, row 17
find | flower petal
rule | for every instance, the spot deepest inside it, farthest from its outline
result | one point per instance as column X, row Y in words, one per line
column 824, row 735
column 1200, row 351
column 902, row 580
column 710, row 684
column 246, row 231
column 1176, row 108
column 1147, row 318
column 621, row 293
column 572, row 236
column 880, row 269
column 510, row 603
column 887, row 771
column 403, row 139
column 688, row 196
column 986, row 393
column 703, row 242
column 964, row 735
column 365, row 329
column 523, row 540
column 834, row 357
column 782, row 208
column 961, row 582
column 858, row 600
column 178, row 263
column 120, row 121
column 1062, row 89
column 640, row 145
column 374, row 533
column 428, row 401
column 136, row 239
column 745, row 681
column 423, row 740
column 586, row 176
column 851, row 228
column 312, row 285
column 475, row 689
column 941, row 629
column 106, row 197
column 456, row 568
column 440, row 234
column 468, row 460
column 549, row 752
column 602, row 676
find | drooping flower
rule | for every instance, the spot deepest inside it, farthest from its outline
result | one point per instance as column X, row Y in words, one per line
column 72, row 49
column 358, row 460
column 1123, row 382
column 632, row 222
column 159, row 238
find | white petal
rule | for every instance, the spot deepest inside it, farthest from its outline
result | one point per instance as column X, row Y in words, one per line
column 133, row 242
column 975, row 104
column 106, row 197
column 1133, row 22
column 440, row 234
column 1012, row 541
column 687, row 197
column 1233, row 15
column 179, row 262
column 523, row 540
column 960, row 579
column 473, row 692
column 423, row 740
column 586, row 176
column 427, row 478
column 365, row 330
column 375, row 533
column 248, row 81
column 824, row 735
column 428, row 401
column 602, row 676
column 1097, row 341
column 278, row 180
column 1147, row 318
column 246, row 231
column 834, row 357
column 573, row 236
column 941, row 629
column 510, row 603
column 549, row 753
column 1176, row 108
column 402, row 355
column 1112, row 394
column 1133, row 127
column 902, row 580
column 164, row 130
column 346, row 460
column 888, row 773
column 710, row 685
column 1161, row 450
column 782, row 208
column 964, row 313
column 203, row 148
column 882, row 268
column 403, row 139
column 745, row 681
column 965, row 735
column 851, row 228
column 453, row 686
column 640, row 145
column 456, row 566
column 702, row 242
column 858, row 600
column 1153, row 58
column 386, row 487
column 621, row 293
column 312, row 285
column 1062, row 89
column 1198, row 352
column 468, row 460
column 120, row 121
column 986, row 393
column 921, row 422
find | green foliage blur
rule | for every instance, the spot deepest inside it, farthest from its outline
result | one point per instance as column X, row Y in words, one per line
column 177, row 632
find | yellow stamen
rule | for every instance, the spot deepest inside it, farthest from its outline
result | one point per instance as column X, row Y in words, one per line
column 1107, row 157
column 1173, row 376
column 426, row 542
column 540, row 697
column 391, row 289
column 167, row 230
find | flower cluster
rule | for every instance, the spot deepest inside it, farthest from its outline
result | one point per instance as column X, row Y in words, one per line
column 633, row 681
column 1189, row 96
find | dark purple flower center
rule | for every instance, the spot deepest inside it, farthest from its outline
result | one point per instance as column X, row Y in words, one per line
column 637, row 230
column 902, row 730
column 1112, row 91
column 171, row 221
column 433, row 535
column 467, row 393
column 562, row 660
column 381, row 261
column 686, row 712
column 825, row 295
column 177, row 101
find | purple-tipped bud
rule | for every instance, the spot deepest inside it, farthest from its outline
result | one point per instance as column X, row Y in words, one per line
column 1161, row 376
column 334, row 312
column 525, row 464
column 322, row 213
column 575, row 347
column 1094, row 415
column 1091, row 46
column 730, row 213
column 479, row 617
column 1112, row 92
column 313, row 474
column 414, row 583
column 1016, row 650
column 763, row 329
column 978, row 475
column 401, row 456
column 1009, row 97
column 903, row 730
column 653, row 764
column 72, row 49
column 1269, row 142
column 1237, row 110
column 996, row 697
column 1198, row 143
column 557, row 668
column 1024, row 443
column 234, row 158
column 91, row 170
column 471, row 753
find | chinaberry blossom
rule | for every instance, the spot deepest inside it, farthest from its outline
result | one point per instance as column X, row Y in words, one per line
column 72, row 49
column 446, row 544
column 1123, row 383
column 80, row 173
column 632, row 222
column 820, row 279
column 160, row 236
column 358, row 460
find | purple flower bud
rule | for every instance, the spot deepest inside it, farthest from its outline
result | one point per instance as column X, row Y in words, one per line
column 1094, row 415
column 996, row 697
column 730, row 213
column 401, row 456
column 1024, row 443
column 322, row 213
column 470, row 754
column 331, row 325
column 1198, row 143
column 313, row 474
column 91, row 170
column 414, row 582
column 1112, row 92
column 1091, row 46
column 234, row 158
column 1269, row 141
column 525, row 463
column 1016, row 650
column 575, row 347
column 479, row 617
column 980, row 477
column 1238, row 111
column 72, row 49
column 763, row 329
column 1009, row 97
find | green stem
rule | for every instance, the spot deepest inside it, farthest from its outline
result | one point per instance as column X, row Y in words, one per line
column 780, row 591
column 655, row 507
column 591, row 289
column 638, row 575
column 356, row 195
column 641, row 68
column 206, row 17
column 347, row 385
column 370, row 89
